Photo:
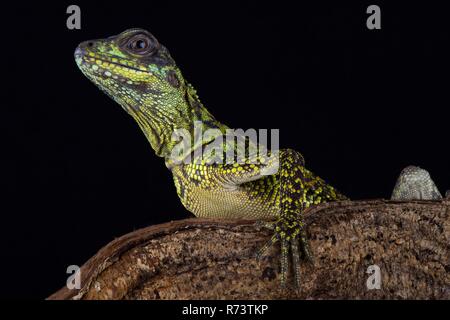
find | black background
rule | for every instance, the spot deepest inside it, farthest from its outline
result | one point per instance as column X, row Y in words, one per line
column 359, row 104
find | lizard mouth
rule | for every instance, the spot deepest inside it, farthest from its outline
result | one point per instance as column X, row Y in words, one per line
column 82, row 56
column 120, row 65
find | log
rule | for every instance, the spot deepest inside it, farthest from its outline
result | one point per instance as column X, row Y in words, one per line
column 214, row 259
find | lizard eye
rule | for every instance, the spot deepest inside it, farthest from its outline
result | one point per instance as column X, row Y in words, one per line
column 141, row 44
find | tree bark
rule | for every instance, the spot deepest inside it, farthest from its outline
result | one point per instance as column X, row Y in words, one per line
column 214, row 259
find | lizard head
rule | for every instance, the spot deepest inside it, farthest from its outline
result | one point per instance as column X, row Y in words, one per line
column 138, row 72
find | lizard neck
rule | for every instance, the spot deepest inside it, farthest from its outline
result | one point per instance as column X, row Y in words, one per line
column 160, row 119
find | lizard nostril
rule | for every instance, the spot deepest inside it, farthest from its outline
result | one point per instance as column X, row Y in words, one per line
column 78, row 52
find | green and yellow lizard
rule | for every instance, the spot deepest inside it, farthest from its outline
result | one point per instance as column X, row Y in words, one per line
column 138, row 72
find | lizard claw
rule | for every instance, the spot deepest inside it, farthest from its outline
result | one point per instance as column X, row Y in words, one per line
column 293, row 241
column 262, row 251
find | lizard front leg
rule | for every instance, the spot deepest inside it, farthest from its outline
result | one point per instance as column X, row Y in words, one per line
column 299, row 189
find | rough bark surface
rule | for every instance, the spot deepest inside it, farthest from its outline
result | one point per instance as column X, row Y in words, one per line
column 214, row 259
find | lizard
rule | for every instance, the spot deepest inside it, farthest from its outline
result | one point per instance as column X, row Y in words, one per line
column 138, row 72
column 415, row 183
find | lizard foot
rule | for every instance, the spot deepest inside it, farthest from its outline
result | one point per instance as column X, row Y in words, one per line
column 299, row 189
column 290, row 233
